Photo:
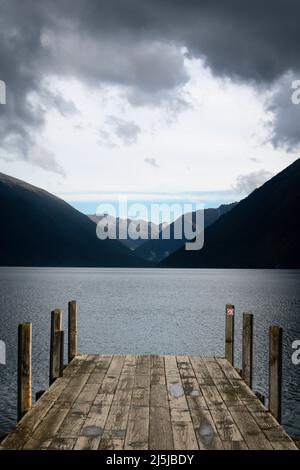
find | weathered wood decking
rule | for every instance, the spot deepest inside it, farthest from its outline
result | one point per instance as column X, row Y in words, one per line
column 148, row 402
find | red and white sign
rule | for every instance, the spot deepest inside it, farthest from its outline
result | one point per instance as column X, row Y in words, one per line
column 230, row 311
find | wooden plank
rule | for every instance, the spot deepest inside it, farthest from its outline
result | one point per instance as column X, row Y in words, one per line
column 96, row 417
column 212, row 396
column 96, row 378
column 96, row 423
column 86, row 443
column 88, row 365
column 265, row 420
column 158, row 395
column 202, row 374
column 116, row 423
column 184, row 366
column 47, row 429
column 78, row 380
column 247, row 348
column 74, row 365
column 160, row 429
column 59, row 443
column 24, row 369
column 197, row 402
column 226, row 427
column 229, row 395
column 174, row 384
column 74, row 421
column 88, row 393
column 253, row 405
column 228, row 369
column 143, row 365
column 234, row 445
column 108, row 442
column 184, row 436
column 284, row 445
column 26, row 426
column 199, row 367
column 102, row 363
column 69, row 395
column 115, row 428
column 205, row 429
column 182, row 403
column 137, row 435
column 157, row 362
column 113, row 373
column 141, row 390
column 243, row 391
column 158, row 386
column 129, row 365
column 104, row 399
column 253, row 436
column 214, row 370
column 171, row 368
column 92, row 428
column 191, row 387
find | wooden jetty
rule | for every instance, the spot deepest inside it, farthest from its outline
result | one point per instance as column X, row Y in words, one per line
column 106, row 402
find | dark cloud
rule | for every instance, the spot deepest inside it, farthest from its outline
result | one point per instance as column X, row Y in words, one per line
column 253, row 40
column 285, row 121
column 139, row 45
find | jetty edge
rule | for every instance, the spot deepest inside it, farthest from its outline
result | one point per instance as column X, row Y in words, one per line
column 148, row 402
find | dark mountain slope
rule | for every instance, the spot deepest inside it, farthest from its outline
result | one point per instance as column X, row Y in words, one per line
column 262, row 231
column 39, row 229
column 157, row 250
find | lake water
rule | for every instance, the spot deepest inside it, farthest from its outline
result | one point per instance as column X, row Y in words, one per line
column 150, row 311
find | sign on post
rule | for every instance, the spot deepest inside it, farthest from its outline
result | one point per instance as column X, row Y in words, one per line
column 229, row 333
column 230, row 310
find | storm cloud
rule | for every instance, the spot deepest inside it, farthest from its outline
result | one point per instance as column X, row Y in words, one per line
column 141, row 46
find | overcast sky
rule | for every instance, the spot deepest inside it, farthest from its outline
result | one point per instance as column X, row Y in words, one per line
column 161, row 98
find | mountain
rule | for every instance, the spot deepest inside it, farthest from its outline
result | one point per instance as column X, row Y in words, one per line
column 143, row 227
column 157, row 250
column 39, row 229
column 262, row 231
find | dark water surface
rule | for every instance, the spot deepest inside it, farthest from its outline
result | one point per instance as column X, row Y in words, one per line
column 140, row 311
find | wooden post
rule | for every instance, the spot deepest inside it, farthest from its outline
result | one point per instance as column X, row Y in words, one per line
column 229, row 333
column 247, row 353
column 24, row 369
column 55, row 345
column 61, row 357
column 72, row 330
column 275, row 371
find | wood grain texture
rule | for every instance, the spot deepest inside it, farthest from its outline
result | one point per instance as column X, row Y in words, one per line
column 148, row 402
